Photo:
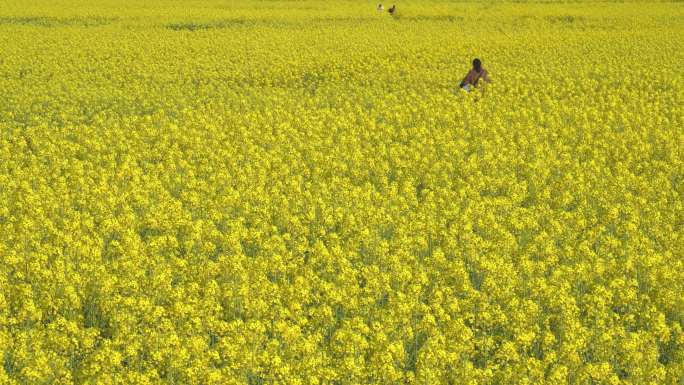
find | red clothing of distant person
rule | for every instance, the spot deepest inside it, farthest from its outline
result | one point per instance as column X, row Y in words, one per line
column 473, row 76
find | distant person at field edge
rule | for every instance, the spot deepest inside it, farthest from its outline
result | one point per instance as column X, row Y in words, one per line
column 474, row 75
column 380, row 8
column 392, row 9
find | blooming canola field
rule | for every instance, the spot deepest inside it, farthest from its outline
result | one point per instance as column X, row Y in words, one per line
column 297, row 192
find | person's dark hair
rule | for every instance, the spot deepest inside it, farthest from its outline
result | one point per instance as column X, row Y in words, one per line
column 477, row 64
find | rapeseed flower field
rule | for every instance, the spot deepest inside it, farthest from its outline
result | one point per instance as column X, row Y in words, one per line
column 297, row 192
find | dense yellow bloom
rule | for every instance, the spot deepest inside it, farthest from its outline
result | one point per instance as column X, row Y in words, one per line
column 251, row 192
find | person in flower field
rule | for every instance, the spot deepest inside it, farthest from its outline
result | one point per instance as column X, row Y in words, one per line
column 474, row 75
